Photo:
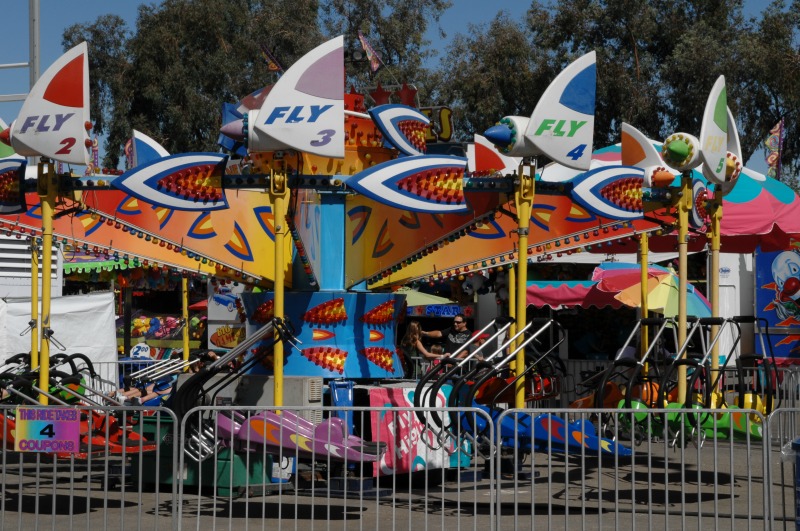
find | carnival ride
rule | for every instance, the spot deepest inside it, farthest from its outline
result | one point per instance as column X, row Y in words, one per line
column 480, row 385
column 651, row 382
column 103, row 430
column 357, row 192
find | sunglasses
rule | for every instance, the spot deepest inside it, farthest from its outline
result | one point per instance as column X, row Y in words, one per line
column 458, row 322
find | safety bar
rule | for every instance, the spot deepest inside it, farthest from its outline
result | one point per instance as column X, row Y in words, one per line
column 512, row 355
column 475, row 352
column 74, row 379
column 453, row 370
column 662, row 322
column 525, row 372
column 21, row 379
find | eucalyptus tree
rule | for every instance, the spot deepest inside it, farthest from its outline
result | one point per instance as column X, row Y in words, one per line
column 395, row 29
column 169, row 76
column 770, row 91
column 656, row 62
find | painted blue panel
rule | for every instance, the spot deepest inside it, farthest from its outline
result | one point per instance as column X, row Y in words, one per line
column 347, row 338
column 579, row 93
column 332, row 242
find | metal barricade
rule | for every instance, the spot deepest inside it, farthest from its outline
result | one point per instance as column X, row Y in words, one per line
column 407, row 468
column 783, row 427
column 108, row 481
column 789, row 386
column 643, row 469
column 107, row 375
column 572, row 385
column 272, row 468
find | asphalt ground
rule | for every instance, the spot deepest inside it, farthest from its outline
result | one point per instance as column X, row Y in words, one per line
column 720, row 485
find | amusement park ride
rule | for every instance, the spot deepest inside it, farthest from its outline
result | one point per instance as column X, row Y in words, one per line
column 367, row 209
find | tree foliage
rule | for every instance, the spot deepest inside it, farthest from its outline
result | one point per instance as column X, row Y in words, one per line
column 394, row 28
column 656, row 63
column 185, row 58
column 489, row 74
column 108, row 63
column 657, row 60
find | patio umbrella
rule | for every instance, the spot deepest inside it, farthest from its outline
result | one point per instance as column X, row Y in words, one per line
column 624, row 281
column 558, row 294
column 418, row 298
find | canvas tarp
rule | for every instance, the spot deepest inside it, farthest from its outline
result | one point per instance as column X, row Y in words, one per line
column 82, row 323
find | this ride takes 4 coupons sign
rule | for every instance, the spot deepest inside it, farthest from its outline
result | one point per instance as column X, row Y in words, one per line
column 47, row 429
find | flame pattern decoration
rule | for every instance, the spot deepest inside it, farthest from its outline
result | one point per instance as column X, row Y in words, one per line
column 410, row 220
column 329, row 312
column 360, row 215
column 379, row 315
column 163, row 215
column 264, row 312
column 202, row 228
column 166, row 225
column 334, row 326
column 383, row 244
column 329, row 358
column 380, row 356
column 129, row 206
column 35, row 211
column 489, row 231
column 322, row 335
column 266, row 219
column 238, row 245
column 90, row 222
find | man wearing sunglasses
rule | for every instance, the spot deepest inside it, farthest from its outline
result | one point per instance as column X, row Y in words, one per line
column 454, row 336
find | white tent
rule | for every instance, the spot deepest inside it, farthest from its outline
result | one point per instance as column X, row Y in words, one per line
column 82, row 323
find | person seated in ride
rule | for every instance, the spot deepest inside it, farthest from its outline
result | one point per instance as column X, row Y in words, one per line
column 435, row 354
column 199, row 360
column 144, row 395
column 454, row 336
column 479, row 340
column 149, row 393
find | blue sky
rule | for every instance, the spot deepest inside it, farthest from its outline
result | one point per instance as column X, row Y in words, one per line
column 56, row 15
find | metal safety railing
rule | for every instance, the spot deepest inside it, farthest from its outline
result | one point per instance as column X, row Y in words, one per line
column 105, row 481
column 388, row 468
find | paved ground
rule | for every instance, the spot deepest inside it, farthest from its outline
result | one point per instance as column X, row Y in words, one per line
column 660, row 488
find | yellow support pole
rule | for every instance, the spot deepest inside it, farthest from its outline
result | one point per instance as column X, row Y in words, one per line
column 524, row 200
column 644, row 244
column 713, row 278
column 684, row 207
column 34, row 304
column 185, row 316
column 512, row 313
column 47, row 187
column 279, row 191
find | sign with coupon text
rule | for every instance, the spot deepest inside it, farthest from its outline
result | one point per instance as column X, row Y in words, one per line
column 47, row 429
